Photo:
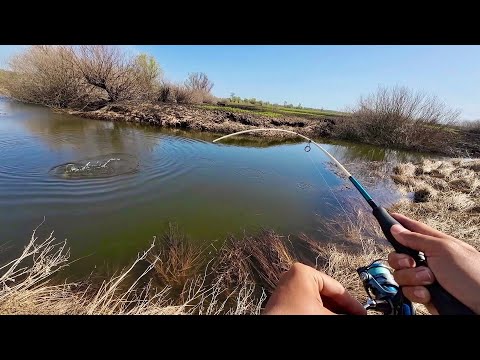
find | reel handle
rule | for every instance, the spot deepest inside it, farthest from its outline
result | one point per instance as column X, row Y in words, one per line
column 443, row 301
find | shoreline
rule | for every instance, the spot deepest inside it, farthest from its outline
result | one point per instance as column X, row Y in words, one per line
column 195, row 117
column 219, row 121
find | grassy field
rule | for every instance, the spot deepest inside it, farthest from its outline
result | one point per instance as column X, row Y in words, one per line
column 273, row 111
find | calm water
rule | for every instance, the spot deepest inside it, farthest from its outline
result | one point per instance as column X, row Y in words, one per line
column 210, row 190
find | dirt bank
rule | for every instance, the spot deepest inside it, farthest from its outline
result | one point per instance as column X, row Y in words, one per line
column 460, row 143
column 217, row 121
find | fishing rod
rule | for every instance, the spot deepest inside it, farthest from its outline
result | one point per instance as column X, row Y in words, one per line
column 384, row 293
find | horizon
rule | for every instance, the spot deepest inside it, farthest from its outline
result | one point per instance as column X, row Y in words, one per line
column 329, row 77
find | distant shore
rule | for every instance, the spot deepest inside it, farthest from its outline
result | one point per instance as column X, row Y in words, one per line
column 204, row 118
column 226, row 120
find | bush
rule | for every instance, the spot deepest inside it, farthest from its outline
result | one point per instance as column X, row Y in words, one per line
column 473, row 126
column 400, row 117
column 46, row 75
column 92, row 75
column 199, row 81
column 166, row 92
column 182, row 94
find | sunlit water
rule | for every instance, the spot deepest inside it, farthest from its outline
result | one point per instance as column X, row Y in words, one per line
column 210, row 190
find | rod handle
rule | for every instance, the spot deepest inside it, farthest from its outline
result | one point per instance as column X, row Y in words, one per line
column 444, row 302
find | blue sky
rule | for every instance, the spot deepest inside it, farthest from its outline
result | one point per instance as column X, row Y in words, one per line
column 329, row 77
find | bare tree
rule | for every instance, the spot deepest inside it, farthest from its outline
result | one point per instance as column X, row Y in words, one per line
column 199, row 81
column 109, row 69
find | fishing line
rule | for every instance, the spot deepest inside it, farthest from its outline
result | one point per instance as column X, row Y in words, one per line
column 329, row 188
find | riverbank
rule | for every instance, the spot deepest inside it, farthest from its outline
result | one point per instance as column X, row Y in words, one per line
column 454, row 142
column 178, row 278
column 203, row 118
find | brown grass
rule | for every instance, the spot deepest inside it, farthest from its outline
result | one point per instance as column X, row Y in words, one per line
column 447, row 194
column 175, row 258
column 238, row 281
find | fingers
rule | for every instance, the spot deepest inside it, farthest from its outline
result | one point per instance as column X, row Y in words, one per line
column 416, row 241
column 418, row 294
column 337, row 298
column 400, row 261
column 414, row 276
column 417, row 226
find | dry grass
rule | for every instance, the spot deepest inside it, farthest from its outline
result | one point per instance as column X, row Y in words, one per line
column 175, row 258
column 257, row 259
column 238, row 281
column 27, row 287
column 446, row 196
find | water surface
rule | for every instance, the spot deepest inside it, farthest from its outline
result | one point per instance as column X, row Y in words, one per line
column 210, row 190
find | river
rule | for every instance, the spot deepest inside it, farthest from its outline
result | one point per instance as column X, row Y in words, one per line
column 210, row 190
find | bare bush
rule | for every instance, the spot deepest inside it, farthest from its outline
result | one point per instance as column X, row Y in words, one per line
column 473, row 126
column 166, row 92
column 45, row 75
column 199, row 81
column 70, row 76
column 89, row 76
column 183, row 95
column 400, row 117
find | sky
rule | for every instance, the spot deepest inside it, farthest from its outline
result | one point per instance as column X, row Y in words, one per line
column 320, row 76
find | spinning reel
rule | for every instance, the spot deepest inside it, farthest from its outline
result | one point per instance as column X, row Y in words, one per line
column 384, row 294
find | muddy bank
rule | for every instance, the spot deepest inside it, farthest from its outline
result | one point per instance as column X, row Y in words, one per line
column 195, row 117
column 200, row 119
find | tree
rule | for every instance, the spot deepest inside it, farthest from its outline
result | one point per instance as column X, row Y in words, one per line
column 110, row 69
column 232, row 96
column 199, row 81
column 148, row 67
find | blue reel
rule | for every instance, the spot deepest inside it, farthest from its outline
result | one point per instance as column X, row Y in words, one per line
column 384, row 294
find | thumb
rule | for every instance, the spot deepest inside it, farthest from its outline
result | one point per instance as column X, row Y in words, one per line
column 413, row 240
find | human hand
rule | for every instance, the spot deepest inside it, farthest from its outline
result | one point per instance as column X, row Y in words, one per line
column 452, row 262
column 302, row 290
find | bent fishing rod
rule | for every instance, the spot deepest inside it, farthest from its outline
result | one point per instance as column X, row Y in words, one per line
column 384, row 293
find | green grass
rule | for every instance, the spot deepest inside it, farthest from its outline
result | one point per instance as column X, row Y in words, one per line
column 274, row 111
column 315, row 112
column 241, row 110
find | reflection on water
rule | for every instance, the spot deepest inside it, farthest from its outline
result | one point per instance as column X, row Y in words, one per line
column 209, row 189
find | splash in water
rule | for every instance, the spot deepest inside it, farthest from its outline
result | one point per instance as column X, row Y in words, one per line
column 97, row 167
